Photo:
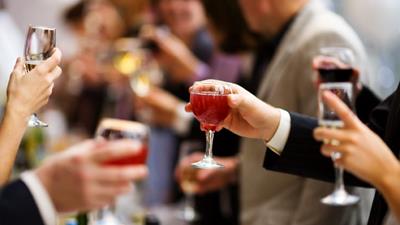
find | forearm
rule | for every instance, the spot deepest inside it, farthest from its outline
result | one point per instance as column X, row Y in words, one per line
column 12, row 129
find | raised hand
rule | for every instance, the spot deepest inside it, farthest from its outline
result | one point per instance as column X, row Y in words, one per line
column 26, row 93
column 249, row 116
column 363, row 153
column 78, row 178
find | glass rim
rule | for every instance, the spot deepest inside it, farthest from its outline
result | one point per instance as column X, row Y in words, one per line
column 335, row 48
column 119, row 124
column 39, row 27
column 225, row 86
column 328, row 85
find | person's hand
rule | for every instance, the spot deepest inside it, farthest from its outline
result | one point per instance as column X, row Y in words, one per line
column 208, row 180
column 249, row 116
column 173, row 55
column 27, row 93
column 363, row 153
column 161, row 104
column 78, row 180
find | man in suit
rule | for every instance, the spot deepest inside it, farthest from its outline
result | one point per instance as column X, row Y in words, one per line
column 74, row 180
column 292, row 32
column 295, row 151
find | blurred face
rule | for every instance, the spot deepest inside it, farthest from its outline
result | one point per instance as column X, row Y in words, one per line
column 182, row 16
column 254, row 12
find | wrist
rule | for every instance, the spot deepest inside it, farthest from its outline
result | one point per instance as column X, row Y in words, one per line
column 272, row 124
column 45, row 175
column 389, row 182
column 16, row 115
column 14, row 118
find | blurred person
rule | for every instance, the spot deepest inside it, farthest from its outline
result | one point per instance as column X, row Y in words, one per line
column 26, row 93
column 97, row 24
column 184, row 38
column 74, row 180
column 292, row 32
column 187, row 42
column 135, row 14
column 291, row 147
column 233, row 43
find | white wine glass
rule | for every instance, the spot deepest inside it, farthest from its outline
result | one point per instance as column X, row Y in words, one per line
column 188, row 181
column 329, row 119
column 39, row 45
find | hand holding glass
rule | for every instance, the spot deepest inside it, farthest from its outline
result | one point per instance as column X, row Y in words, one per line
column 39, row 45
column 112, row 129
column 328, row 118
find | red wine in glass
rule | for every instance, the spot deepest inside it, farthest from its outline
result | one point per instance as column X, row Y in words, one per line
column 209, row 109
column 113, row 129
column 334, row 64
column 335, row 74
column 209, row 101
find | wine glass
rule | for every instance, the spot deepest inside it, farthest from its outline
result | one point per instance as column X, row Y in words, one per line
column 335, row 64
column 39, row 45
column 112, row 129
column 134, row 59
column 328, row 118
column 209, row 101
column 188, row 181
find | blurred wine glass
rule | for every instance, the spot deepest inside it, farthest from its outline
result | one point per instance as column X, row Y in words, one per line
column 112, row 129
column 39, row 45
column 133, row 58
column 188, row 181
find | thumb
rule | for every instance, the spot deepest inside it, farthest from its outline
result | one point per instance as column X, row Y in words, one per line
column 234, row 100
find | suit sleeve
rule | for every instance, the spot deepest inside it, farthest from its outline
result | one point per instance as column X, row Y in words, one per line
column 301, row 155
column 17, row 205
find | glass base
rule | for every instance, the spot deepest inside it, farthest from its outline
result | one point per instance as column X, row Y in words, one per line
column 340, row 198
column 207, row 163
column 188, row 215
column 104, row 216
column 35, row 122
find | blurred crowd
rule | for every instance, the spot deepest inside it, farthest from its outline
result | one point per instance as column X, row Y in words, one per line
column 136, row 59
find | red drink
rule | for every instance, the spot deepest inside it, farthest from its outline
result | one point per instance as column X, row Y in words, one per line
column 210, row 109
column 138, row 158
column 114, row 129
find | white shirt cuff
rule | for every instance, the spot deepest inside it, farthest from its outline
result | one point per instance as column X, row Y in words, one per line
column 182, row 122
column 278, row 141
column 41, row 197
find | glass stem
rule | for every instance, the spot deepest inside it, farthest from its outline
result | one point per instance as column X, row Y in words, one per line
column 189, row 202
column 210, row 139
column 339, row 184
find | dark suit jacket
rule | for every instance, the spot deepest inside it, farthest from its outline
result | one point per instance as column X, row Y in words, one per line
column 302, row 156
column 17, row 206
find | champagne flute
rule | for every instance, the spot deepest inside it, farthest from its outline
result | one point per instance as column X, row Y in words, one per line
column 39, row 45
column 112, row 129
column 328, row 118
column 335, row 64
column 209, row 101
